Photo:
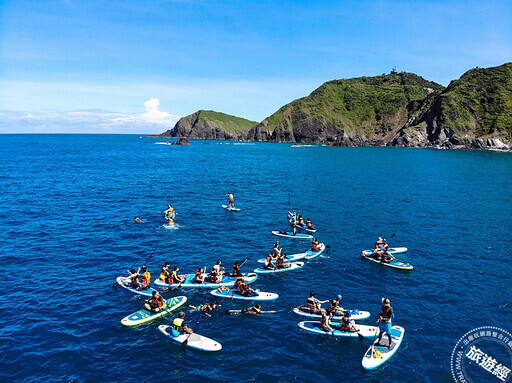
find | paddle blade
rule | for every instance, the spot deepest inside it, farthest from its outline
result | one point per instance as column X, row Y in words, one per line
column 361, row 337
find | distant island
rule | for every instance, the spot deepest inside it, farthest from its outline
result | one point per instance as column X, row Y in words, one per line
column 396, row 109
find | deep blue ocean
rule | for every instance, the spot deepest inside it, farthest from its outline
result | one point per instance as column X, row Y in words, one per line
column 66, row 232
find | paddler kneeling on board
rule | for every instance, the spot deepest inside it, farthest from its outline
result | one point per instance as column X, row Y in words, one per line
column 314, row 245
column 384, row 320
column 309, row 224
column 334, row 308
column 155, row 303
column 179, row 326
column 346, row 324
column 145, row 277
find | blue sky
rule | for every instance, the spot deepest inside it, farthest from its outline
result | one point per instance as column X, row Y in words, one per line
column 137, row 66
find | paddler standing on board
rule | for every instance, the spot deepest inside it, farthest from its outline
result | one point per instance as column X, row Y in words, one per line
column 385, row 320
column 231, row 200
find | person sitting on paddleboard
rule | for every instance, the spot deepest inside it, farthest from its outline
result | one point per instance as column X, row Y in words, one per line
column 346, row 324
column 325, row 321
column 155, row 303
column 179, row 326
column 301, row 221
column 145, row 278
column 268, row 264
column 174, row 277
column 236, row 269
column 334, row 308
column 384, row 320
column 199, row 277
column 231, row 200
column 281, row 261
column 164, row 274
column 256, row 310
column 314, row 245
column 215, row 276
column 314, row 304
column 134, row 278
column 245, row 290
column 309, row 224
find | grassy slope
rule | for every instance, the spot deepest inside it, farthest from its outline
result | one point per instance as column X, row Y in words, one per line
column 231, row 124
column 357, row 102
column 480, row 102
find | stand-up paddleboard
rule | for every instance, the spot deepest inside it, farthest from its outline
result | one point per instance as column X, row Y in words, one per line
column 127, row 284
column 230, row 208
column 313, row 254
column 235, row 294
column 143, row 316
column 353, row 314
column 391, row 250
column 289, row 258
column 291, row 266
column 395, row 263
column 378, row 353
column 289, row 234
column 362, row 329
column 193, row 340
column 300, row 227
column 189, row 282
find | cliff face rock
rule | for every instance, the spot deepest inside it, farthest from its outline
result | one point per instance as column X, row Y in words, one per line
column 359, row 111
column 474, row 112
column 210, row 125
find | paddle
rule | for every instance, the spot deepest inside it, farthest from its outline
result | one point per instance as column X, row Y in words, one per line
column 149, row 257
column 185, row 342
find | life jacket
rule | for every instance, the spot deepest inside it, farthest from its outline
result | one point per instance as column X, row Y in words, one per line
column 385, row 314
column 256, row 310
column 301, row 221
column 147, row 275
column 164, row 274
column 135, row 281
column 345, row 324
column 242, row 287
column 323, row 320
column 280, row 262
column 309, row 225
column 236, row 270
column 177, row 324
column 312, row 303
column 158, row 302
column 198, row 276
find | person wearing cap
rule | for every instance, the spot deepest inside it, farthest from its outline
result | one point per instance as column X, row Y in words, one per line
column 179, row 326
column 385, row 320
column 231, row 200
column 155, row 303
column 334, row 308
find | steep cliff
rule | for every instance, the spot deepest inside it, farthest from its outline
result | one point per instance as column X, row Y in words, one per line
column 207, row 124
column 474, row 111
column 358, row 111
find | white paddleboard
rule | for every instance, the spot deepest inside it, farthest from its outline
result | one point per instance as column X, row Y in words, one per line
column 194, row 340
column 378, row 353
column 230, row 208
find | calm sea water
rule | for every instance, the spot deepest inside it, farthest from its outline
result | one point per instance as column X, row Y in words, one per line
column 67, row 231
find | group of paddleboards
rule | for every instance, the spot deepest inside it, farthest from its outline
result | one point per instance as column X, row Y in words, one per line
column 337, row 321
column 334, row 321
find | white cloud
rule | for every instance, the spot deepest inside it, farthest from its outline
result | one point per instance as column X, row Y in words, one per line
column 88, row 121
